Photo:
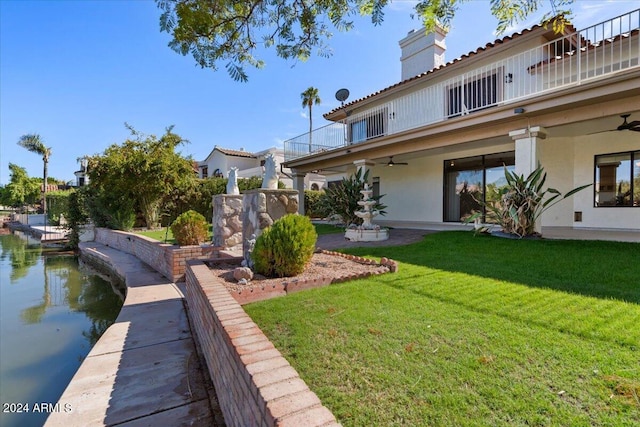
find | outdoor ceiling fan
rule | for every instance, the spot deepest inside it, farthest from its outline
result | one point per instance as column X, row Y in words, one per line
column 392, row 163
column 634, row 125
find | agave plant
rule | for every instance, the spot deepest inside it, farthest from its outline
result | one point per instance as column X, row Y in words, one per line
column 522, row 201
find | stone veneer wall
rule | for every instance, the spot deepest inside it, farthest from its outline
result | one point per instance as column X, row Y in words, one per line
column 169, row 260
column 255, row 384
column 227, row 220
column 261, row 208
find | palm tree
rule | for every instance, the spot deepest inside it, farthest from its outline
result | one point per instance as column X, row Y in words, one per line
column 309, row 98
column 34, row 143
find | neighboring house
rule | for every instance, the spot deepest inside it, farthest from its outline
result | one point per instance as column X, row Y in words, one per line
column 221, row 160
column 82, row 176
column 569, row 101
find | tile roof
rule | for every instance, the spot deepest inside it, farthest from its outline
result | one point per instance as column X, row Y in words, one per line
column 236, row 153
column 482, row 49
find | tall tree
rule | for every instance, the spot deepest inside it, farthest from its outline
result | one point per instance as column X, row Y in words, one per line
column 139, row 174
column 230, row 31
column 310, row 98
column 22, row 189
column 33, row 142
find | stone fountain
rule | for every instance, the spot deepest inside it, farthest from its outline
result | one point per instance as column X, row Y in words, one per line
column 367, row 232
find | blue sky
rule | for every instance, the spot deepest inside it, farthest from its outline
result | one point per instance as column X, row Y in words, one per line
column 76, row 71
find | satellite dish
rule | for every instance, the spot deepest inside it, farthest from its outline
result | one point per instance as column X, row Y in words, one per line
column 342, row 95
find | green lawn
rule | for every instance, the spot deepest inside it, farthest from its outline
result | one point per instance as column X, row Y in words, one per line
column 161, row 234
column 327, row 229
column 473, row 331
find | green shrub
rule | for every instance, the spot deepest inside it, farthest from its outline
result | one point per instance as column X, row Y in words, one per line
column 285, row 248
column 57, row 204
column 312, row 207
column 190, row 228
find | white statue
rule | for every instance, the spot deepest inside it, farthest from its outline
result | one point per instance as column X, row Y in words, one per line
column 232, row 182
column 270, row 177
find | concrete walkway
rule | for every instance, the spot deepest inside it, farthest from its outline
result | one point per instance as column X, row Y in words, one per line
column 397, row 237
column 144, row 370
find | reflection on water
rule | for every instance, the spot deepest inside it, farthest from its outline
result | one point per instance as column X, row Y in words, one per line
column 52, row 311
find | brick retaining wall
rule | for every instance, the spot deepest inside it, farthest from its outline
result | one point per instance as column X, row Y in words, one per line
column 256, row 386
column 168, row 260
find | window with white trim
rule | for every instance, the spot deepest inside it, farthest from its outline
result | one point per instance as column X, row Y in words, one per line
column 617, row 179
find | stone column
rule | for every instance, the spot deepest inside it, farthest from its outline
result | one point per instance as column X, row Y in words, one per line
column 527, row 152
column 227, row 220
column 527, row 148
column 365, row 165
column 298, row 184
column 261, row 207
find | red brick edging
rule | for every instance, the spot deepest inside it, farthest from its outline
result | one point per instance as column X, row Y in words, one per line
column 288, row 286
column 255, row 384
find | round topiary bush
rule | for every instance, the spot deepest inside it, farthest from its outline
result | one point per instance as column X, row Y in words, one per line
column 190, row 228
column 285, row 248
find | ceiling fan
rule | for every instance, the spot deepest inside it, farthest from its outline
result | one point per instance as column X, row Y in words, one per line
column 392, row 163
column 634, row 125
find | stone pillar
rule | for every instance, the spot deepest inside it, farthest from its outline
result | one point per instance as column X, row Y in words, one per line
column 527, row 148
column 365, row 165
column 527, row 152
column 298, row 184
column 261, row 207
column 227, row 220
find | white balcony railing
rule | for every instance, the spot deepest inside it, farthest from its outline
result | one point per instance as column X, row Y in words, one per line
column 594, row 52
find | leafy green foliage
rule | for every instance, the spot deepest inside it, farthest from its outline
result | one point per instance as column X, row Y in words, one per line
column 58, row 204
column 285, row 248
column 230, row 32
column 77, row 214
column 342, row 200
column 312, row 203
column 21, row 190
column 190, row 228
column 138, row 175
column 523, row 201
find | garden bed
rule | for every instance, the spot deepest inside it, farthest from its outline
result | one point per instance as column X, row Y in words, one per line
column 325, row 268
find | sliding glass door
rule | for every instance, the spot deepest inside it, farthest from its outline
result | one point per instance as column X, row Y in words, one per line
column 471, row 181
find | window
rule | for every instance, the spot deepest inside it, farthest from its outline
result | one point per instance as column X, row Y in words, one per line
column 370, row 126
column 205, row 171
column 617, row 179
column 473, row 95
column 470, row 181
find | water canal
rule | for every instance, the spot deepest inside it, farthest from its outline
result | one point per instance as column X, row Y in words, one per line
column 53, row 310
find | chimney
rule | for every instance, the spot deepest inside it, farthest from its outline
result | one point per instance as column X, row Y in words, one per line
column 422, row 52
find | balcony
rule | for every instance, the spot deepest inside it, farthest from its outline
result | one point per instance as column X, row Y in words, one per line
column 595, row 52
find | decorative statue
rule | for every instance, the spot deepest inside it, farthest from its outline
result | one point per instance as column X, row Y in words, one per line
column 270, row 177
column 232, row 182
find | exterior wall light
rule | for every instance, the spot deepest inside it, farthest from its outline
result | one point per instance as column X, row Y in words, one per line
column 518, row 110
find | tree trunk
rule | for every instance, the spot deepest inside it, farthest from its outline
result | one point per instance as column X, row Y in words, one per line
column 44, row 192
column 310, row 127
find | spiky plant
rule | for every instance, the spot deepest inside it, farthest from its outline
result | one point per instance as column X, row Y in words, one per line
column 522, row 201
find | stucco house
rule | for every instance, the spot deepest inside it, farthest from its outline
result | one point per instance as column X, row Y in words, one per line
column 569, row 101
column 221, row 160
